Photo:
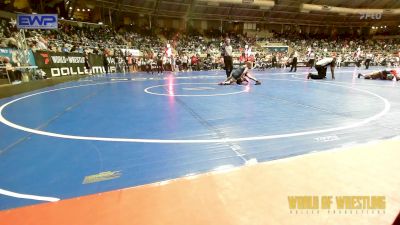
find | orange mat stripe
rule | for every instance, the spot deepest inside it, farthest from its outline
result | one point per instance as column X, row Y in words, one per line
column 250, row 195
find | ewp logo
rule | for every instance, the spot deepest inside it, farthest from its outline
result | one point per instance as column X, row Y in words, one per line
column 37, row 21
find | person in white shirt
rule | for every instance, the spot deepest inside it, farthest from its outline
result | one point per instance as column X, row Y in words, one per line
column 228, row 57
column 311, row 59
column 149, row 64
column 284, row 61
column 185, row 62
column 173, row 63
column 321, row 66
column 339, row 61
column 40, row 45
column 357, row 57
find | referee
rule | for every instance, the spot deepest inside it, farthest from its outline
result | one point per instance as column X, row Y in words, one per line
column 321, row 66
column 227, row 53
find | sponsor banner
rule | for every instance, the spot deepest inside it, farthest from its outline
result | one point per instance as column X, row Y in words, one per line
column 37, row 21
column 70, row 64
column 16, row 56
column 113, row 62
column 60, row 64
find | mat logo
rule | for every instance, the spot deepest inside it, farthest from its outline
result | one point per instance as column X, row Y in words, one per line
column 374, row 16
column 336, row 204
column 327, row 138
column 103, row 176
column 37, row 21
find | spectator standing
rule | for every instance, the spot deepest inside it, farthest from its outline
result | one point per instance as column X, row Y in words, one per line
column 87, row 63
column 228, row 61
column 294, row 62
column 274, row 61
column 368, row 59
column 105, row 61
column 311, row 59
column 185, row 60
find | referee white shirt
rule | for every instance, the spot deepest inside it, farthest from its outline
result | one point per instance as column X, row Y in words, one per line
column 228, row 50
column 312, row 55
column 324, row 62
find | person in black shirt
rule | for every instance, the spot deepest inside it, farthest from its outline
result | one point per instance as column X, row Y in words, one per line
column 105, row 62
column 294, row 62
column 87, row 63
column 160, row 67
column 368, row 59
column 274, row 61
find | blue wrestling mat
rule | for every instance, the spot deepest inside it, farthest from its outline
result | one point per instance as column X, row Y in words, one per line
column 123, row 130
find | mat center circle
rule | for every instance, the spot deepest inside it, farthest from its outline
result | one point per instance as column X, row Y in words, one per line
column 194, row 90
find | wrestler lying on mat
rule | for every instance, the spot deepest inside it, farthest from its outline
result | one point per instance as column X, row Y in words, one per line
column 382, row 75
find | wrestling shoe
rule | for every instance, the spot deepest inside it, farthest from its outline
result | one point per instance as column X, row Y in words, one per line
column 309, row 76
column 257, row 83
column 359, row 75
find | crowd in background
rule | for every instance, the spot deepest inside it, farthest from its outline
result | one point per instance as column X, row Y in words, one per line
column 192, row 50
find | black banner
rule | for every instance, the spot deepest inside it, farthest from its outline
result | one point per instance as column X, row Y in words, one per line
column 97, row 61
column 56, row 64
